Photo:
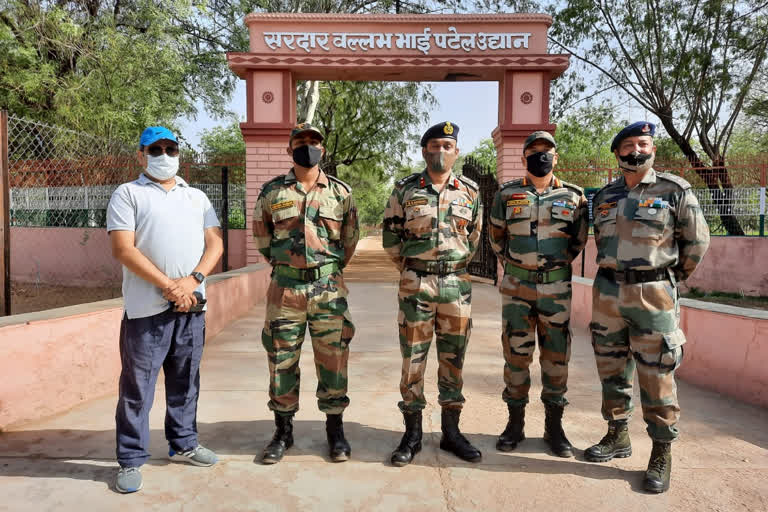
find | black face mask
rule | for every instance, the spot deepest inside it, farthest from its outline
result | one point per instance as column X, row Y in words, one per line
column 540, row 164
column 636, row 161
column 307, row 156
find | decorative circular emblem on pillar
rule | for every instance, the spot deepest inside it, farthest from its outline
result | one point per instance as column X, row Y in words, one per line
column 526, row 97
column 268, row 97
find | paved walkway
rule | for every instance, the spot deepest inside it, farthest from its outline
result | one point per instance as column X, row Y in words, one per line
column 67, row 462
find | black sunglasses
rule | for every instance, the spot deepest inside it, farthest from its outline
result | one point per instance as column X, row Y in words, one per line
column 158, row 150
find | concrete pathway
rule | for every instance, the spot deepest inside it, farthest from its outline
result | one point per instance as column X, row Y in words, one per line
column 67, row 462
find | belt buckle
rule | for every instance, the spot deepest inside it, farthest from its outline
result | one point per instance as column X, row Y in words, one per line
column 312, row 274
column 540, row 277
column 442, row 267
column 620, row 276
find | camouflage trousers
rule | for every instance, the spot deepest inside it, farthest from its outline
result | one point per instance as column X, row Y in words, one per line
column 637, row 325
column 527, row 309
column 291, row 305
column 440, row 305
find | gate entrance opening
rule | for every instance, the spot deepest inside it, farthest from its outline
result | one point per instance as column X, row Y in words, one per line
column 510, row 49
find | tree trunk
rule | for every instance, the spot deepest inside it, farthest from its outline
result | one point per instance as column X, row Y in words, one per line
column 311, row 93
column 714, row 177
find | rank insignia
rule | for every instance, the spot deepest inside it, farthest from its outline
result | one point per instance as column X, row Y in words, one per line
column 604, row 213
column 422, row 182
column 282, row 205
column 416, row 202
column 515, row 202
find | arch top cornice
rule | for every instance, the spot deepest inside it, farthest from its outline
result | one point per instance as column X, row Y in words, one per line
column 399, row 18
column 398, row 68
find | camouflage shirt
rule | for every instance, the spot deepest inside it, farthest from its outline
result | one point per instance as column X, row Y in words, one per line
column 305, row 229
column 539, row 231
column 423, row 223
column 657, row 224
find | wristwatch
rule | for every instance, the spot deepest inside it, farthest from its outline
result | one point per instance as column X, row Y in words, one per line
column 199, row 277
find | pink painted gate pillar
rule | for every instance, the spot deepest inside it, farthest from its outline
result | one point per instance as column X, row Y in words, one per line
column 523, row 108
column 271, row 108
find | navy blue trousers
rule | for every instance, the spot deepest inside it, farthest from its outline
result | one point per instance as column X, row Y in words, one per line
column 173, row 342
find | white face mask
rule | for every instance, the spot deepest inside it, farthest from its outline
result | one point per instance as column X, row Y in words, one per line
column 162, row 167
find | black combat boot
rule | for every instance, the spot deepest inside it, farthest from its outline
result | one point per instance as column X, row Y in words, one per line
column 659, row 468
column 452, row 440
column 553, row 431
column 338, row 446
column 281, row 441
column 614, row 444
column 410, row 444
column 513, row 434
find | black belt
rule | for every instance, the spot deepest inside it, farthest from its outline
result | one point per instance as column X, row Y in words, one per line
column 439, row 267
column 634, row 276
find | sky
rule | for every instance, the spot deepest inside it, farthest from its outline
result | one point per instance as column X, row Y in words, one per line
column 473, row 106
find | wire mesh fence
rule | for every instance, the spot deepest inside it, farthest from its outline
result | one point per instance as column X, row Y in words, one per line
column 60, row 185
column 733, row 197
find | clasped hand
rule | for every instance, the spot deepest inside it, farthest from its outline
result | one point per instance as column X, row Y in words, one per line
column 180, row 292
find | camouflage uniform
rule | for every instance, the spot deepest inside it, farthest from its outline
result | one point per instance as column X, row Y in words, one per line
column 658, row 233
column 534, row 234
column 428, row 234
column 316, row 230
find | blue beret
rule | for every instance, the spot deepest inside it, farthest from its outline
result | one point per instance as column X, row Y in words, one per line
column 444, row 130
column 154, row 134
column 633, row 130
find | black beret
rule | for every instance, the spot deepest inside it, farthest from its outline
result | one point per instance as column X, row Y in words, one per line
column 444, row 130
column 633, row 130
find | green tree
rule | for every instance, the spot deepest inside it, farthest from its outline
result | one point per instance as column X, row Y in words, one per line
column 103, row 67
column 484, row 154
column 370, row 123
column 692, row 64
column 223, row 143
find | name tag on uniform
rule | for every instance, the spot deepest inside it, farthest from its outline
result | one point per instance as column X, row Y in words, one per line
column 517, row 202
column 416, row 202
column 282, row 205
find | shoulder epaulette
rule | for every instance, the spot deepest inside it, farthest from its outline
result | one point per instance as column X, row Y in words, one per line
column 407, row 179
column 512, row 183
column 674, row 179
column 337, row 180
column 468, row 182
column 573, row 187
column 266, row 185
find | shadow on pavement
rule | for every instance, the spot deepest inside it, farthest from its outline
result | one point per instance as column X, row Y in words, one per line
column 88, row 455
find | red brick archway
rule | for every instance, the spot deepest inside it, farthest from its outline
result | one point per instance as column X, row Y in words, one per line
column 510, row 49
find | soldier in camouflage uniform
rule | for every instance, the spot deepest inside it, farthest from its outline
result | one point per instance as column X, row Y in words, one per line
column 432, row 225
column 650, row 235
column 305, row 224
column 538, row 226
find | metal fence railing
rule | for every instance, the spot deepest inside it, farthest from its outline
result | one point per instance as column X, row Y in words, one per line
column 733, row 197
column 62, row 179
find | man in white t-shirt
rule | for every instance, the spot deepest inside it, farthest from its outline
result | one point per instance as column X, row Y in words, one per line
column 166, row 235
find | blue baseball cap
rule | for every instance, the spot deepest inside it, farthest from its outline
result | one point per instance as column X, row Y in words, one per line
column 154, row 134
column 633, row 130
